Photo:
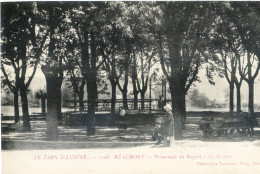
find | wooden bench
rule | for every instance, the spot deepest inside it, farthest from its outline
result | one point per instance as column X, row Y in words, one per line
column 124, row 119
column 38, row 117
column 6, row 123
column 123, row 123
column 221, row 125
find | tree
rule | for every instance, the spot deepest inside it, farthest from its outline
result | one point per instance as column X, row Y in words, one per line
column 235, row 79
column 138, row 45
column 234, row 57
column 229, row 63
column 117, row 47
column 14, row 88
column 227, row 42
column 199, row 99
column 22, row 49
column 74, row 70
column 183, row 33
column 53, row 16
column 88, row 19
column 245, row 17
column 123, row 44
column 111, row 48
column 110, row 66
column 146, row 61
column 230, row 59
column 6, row 97
column 251, row 76
column 124, row 70
column 239, row 80
column 135, row 82
column 9, row 54
column 144, row 52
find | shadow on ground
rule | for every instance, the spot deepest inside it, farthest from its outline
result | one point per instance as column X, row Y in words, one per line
column 74, row 137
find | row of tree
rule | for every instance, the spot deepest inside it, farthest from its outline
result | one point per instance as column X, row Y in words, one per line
column 118, row 40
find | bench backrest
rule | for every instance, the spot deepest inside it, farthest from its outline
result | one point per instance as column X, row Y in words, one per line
column 5, row 118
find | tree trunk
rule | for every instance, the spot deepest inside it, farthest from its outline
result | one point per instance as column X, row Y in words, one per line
column 113, row 86
column 135, row 100
column 53, row 83
column 135, row 91
column 238, row 86
column 125, row 104
column 124, row 91
column 231, row 97
column 52, row 106
column 75, row 101
column 177, row 90
column 16, row 107
column 81, row 100
column 142, row 99
column 91, row 122
column 81, row 95
column 43, row 105
column 113, row 99
column 26, row 117
column 91, row 105
column 183, row 110
column 251, row 97
column 92, row 86
column 58, row 91
column 126, row 70
column 177, row 111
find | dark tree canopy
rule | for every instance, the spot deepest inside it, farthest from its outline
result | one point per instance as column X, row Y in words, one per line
column 93, row 43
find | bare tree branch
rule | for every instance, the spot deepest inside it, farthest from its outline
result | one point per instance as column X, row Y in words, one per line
column 11, row 87
column 38, row 54
column 195, row 72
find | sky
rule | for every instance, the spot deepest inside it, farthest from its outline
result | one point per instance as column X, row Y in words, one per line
column 216, row 91
column 221, row 86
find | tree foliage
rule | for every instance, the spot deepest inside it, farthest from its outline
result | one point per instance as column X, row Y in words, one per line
column 121, row 41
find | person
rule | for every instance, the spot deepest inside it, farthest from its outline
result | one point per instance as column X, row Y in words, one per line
column 157, row 134
column 118, row 116
column 161, row 103
column 164, row 131
column 121, row 119
column 169, row 126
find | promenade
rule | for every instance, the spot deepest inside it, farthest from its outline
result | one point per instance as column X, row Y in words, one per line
column 132, row 151
column 74, row 137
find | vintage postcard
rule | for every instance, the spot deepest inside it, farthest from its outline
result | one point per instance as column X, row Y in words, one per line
column 130, row 87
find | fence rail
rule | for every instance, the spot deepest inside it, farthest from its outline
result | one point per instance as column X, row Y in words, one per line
column 105, row 104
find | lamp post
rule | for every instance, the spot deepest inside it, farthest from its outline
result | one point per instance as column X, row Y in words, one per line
column 150, row 94
column 152, row 77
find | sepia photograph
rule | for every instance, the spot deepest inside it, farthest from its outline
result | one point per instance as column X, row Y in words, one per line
column 130, row 87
